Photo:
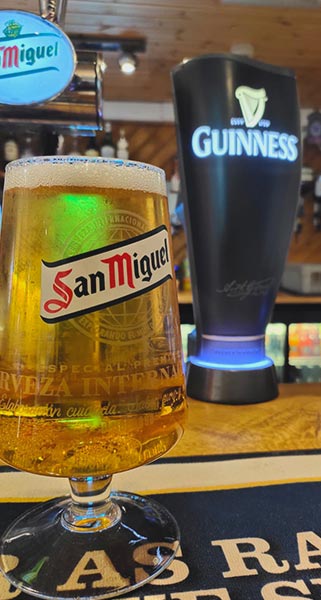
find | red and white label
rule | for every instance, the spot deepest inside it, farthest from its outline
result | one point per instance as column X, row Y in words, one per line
column 106, row 276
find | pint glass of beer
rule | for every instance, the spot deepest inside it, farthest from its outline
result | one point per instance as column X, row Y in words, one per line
column 91, row 377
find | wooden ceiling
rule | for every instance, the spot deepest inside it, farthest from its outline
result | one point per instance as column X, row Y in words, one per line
column 175, row 29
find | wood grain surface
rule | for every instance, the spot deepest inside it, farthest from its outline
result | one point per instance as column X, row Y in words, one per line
column 185, row 297
column 175, row 29
column 290, row 422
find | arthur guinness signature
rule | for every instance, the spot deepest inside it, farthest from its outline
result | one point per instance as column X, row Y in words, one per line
column 244, row 289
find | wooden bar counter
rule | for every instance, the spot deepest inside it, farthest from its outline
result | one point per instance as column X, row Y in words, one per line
column 185, row 297
column 244, row 485
column 288, row 423
column 291, row 422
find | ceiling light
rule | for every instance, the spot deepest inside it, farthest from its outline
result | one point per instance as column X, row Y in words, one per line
column 127, row 63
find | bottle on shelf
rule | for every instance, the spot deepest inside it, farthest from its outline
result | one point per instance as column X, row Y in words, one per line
column 92, row 148
column 27, row 147
column 186, row 276
column 173, row 189
column 122, row 146
column 60, row 144
column 108, row 148
column 175, row 180
column 74, row 147
column 10, row 149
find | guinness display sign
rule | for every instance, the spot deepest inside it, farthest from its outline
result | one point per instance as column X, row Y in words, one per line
column 238, row 129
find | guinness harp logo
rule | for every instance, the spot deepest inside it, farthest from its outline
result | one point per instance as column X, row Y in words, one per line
column 252, row 103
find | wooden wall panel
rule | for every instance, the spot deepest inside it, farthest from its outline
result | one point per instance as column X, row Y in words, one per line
column 175, row 29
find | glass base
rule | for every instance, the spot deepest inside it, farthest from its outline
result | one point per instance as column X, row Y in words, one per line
column 43, row 556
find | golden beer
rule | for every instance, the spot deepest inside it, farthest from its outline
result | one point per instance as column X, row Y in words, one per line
column 91, row 376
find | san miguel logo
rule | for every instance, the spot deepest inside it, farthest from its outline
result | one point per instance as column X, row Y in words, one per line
column 12, row 29
column 24, row 54
column 256, row 139
column 35, row 52
column 100, row 278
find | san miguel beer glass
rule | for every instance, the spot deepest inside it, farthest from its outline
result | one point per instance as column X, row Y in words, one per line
column 91, row 379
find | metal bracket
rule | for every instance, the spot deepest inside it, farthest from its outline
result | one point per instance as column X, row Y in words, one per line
column 53, row 10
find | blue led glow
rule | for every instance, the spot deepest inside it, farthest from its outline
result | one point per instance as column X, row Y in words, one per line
column 37, row 59
column 260, row 364
column 239, row 354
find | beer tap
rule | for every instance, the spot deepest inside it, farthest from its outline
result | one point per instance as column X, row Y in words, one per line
column 53, row 10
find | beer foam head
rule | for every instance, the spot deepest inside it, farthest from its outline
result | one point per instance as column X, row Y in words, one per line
column 84, row 171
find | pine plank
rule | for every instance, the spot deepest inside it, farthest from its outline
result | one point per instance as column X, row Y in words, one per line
column 175, row 29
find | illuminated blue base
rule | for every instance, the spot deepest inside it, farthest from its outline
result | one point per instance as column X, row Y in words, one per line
column 230, row 370
column 241, row 366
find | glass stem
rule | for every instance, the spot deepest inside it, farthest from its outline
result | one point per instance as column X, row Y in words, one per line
column 91, row 508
